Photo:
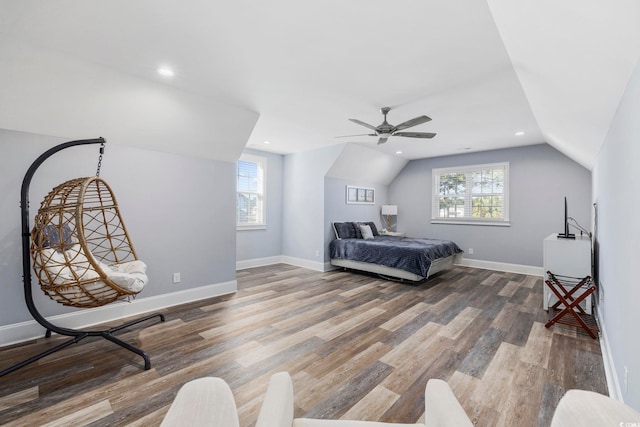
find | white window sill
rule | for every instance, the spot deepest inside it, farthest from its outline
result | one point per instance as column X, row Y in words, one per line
column 468, row 222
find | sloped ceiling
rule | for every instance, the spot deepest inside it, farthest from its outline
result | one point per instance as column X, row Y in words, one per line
column 573, row 59
column 480, row 70
column 360, row 165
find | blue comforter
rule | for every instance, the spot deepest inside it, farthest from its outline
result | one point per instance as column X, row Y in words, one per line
column 405, row 253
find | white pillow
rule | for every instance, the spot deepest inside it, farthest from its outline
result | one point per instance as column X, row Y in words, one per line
column 367, row 234
column 80, row 264
column 56, row 265
column 128, row 275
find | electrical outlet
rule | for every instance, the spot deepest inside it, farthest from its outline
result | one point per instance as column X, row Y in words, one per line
column 470, row 251
column 176, row 277
column 317, row 252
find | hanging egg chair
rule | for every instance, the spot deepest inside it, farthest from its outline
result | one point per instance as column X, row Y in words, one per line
column 81, row 252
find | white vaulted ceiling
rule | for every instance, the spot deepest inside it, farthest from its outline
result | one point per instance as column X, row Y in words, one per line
column 480, row 70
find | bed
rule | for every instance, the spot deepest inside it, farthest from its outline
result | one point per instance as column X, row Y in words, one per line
column 359, row 246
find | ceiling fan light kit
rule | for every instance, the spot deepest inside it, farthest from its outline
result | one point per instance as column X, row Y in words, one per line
column 386, row 130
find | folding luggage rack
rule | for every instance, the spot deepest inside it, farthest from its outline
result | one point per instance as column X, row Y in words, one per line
column 571, row 291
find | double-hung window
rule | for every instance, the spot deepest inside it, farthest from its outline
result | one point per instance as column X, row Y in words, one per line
column 250, row 192
column 477, row 194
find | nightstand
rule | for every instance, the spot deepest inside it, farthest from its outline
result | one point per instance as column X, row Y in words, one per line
column 392, row 233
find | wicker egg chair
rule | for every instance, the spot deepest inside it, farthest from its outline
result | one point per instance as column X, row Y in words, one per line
column 81, row 251
column 79, row 241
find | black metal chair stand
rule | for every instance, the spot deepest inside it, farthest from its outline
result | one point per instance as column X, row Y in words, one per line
column 76, row 335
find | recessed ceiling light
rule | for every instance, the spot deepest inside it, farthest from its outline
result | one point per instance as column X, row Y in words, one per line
column 267, row 142
column 398, row 152
column 520, row 133
column 165, row 71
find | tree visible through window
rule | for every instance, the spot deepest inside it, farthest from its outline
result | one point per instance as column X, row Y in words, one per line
column 250, row 191
column 473, row 194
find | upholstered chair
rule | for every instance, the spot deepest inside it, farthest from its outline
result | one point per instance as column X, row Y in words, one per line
column 587, row 408
column 209, row 402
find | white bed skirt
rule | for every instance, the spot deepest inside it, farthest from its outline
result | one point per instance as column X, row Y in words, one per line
column 436, row 266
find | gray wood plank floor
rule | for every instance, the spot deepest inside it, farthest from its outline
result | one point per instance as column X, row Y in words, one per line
column 356, row 346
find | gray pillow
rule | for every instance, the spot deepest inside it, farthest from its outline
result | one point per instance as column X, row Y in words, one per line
column 371, row 224
column 59, row 238
column 374, row 229
column 367, row 234
column 344, row 230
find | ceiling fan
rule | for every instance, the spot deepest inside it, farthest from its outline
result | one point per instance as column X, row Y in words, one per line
column 385, row 130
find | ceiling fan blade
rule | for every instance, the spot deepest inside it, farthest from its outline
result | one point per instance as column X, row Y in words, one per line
column 361, row 123
column 382, row 140
column 362, row 134
column 413, row 122
column 415, row 134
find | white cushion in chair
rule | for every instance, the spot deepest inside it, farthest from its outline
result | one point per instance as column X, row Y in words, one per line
column 308, row 422
column 209, row 402
column 277, row 407
column 442, row 407
column 205, row 402
column 587, row 408
column 128, row 275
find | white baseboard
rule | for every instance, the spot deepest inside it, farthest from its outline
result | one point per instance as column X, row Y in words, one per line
column 281, row 259
column 25, row 331
column 610, row 372
column 502, row 266
column 305, row 263
column 258, row 262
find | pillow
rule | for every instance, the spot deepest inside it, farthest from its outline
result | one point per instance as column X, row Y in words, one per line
column 371, row 225
column 62, row 273
column 55, row 264
column 344, row 230
column 59, row 238
column 356, row 227
column 367, row 234
column 129, row 275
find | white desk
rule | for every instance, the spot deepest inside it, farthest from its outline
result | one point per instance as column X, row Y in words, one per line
column 566, row 257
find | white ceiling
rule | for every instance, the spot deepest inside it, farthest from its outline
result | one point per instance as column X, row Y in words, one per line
column 481, row 70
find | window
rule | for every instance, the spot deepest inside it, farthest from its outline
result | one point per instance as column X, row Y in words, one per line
column 250, row 192
column 476, row 194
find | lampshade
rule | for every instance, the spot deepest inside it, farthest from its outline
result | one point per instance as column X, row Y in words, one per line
column 389, row 210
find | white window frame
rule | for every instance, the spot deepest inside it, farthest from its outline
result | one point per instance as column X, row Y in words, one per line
column 467, row 219
column 261, row 192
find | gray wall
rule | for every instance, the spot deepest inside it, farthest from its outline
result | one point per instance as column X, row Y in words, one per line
column 179, row 211
column 540, row 177
column 616, row 178
column 303, row 203
column 252, row 244
column 337, row 210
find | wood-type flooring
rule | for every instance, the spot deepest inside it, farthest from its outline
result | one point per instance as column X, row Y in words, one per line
column 356, row 346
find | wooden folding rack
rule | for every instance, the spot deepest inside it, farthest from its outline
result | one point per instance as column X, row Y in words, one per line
column 567, row 310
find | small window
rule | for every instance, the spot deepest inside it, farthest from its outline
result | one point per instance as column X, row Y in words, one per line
column 250, row 192
column 476, row 194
